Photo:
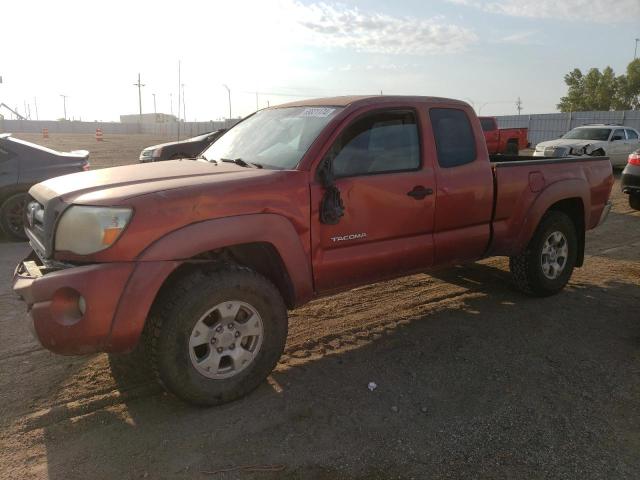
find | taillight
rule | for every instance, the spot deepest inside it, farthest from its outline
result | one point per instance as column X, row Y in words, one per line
column 634, row 159
column 85, row 166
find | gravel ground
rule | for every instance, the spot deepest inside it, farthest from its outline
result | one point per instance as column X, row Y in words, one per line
column 473, row 380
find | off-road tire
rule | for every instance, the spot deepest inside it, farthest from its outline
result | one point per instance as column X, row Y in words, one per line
column 526, row 269
column 177, row 310
column 8, row 210
column 634, row 201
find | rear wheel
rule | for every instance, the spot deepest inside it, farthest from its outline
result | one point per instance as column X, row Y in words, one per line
column 12, row 212
column 634, row 201
column 215, row 336
column 546, row 265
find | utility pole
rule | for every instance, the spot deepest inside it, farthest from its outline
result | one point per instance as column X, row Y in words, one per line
column 229, row 93
column 139, row 85
column 154, row 103
column 64, row 104
column 519, row 105
column 35, row 102
column 179, row 83
column 184, row 108
column 635, row 51
column 171, row 102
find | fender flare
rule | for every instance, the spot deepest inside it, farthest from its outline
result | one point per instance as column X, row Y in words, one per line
column 156, row 263
column 552, row 194
column 209, row 235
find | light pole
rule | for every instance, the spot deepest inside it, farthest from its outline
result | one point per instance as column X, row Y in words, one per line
column 229, row 93
column 64, row 104
column 154, row 103
column 635, row 51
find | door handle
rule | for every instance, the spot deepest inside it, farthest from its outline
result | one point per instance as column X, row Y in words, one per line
column 420, row 192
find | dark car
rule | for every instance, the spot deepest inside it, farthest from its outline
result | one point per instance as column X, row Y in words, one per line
column 630, row 180
column 189, row 148
column 22, row 165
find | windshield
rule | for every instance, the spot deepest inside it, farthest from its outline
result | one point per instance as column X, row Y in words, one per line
column 600, row 134
column 276, row 138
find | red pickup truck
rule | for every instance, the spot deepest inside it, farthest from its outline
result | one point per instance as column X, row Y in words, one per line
column 195, row 263
column 508, row 141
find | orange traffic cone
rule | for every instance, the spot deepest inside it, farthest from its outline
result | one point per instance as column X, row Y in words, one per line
column 45, row 133
column 98, row 134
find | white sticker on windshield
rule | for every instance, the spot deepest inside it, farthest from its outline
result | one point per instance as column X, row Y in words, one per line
column 318, row 112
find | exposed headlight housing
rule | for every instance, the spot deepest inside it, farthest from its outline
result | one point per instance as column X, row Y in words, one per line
column 83, row 229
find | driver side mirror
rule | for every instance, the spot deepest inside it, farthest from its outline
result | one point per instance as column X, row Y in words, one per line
column 331, row 206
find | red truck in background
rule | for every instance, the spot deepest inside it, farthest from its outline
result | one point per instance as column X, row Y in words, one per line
column 507, row 141
column 194, row 264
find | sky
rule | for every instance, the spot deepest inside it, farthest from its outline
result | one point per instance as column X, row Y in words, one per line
column 488, row 53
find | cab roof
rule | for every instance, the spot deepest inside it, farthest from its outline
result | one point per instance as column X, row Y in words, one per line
column 357, row 100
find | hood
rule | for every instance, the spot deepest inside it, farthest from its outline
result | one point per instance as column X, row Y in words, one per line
column 567, row 142
column 111, row 185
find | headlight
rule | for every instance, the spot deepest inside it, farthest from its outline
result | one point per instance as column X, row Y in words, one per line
column 83, row 230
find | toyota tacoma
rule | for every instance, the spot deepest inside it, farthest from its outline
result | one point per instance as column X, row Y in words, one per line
column 195, row 263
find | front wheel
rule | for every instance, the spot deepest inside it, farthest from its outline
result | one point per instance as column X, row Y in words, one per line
column 217, row 335
column 634, row 201
column 547, row 263
column 12, row 212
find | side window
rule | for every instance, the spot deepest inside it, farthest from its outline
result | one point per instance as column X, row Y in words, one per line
column 377, row 143
column 618, row 135
column 455, row 142
column 632, row 135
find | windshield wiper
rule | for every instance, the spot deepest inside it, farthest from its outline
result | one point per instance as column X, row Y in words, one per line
column 241, row 162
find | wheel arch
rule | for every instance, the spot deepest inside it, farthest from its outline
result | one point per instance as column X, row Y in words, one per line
column 275, row 251
column 569, row 196
column 268, row 243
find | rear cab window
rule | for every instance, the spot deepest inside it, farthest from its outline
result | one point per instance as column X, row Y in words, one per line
column 455, row 141
column 488, row 124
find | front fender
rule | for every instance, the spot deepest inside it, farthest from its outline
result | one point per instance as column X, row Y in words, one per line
column 211, row 235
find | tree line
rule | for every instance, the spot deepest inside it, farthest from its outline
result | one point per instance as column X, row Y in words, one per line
column 602, row 90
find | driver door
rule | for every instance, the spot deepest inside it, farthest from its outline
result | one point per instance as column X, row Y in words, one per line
column 387, row 187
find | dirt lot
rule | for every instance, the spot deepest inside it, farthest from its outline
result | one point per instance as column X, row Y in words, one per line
column 474, row 381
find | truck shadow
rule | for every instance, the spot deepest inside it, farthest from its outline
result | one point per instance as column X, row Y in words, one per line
column 482, row 386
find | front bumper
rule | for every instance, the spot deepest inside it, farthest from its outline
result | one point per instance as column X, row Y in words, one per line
column 116, row 299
